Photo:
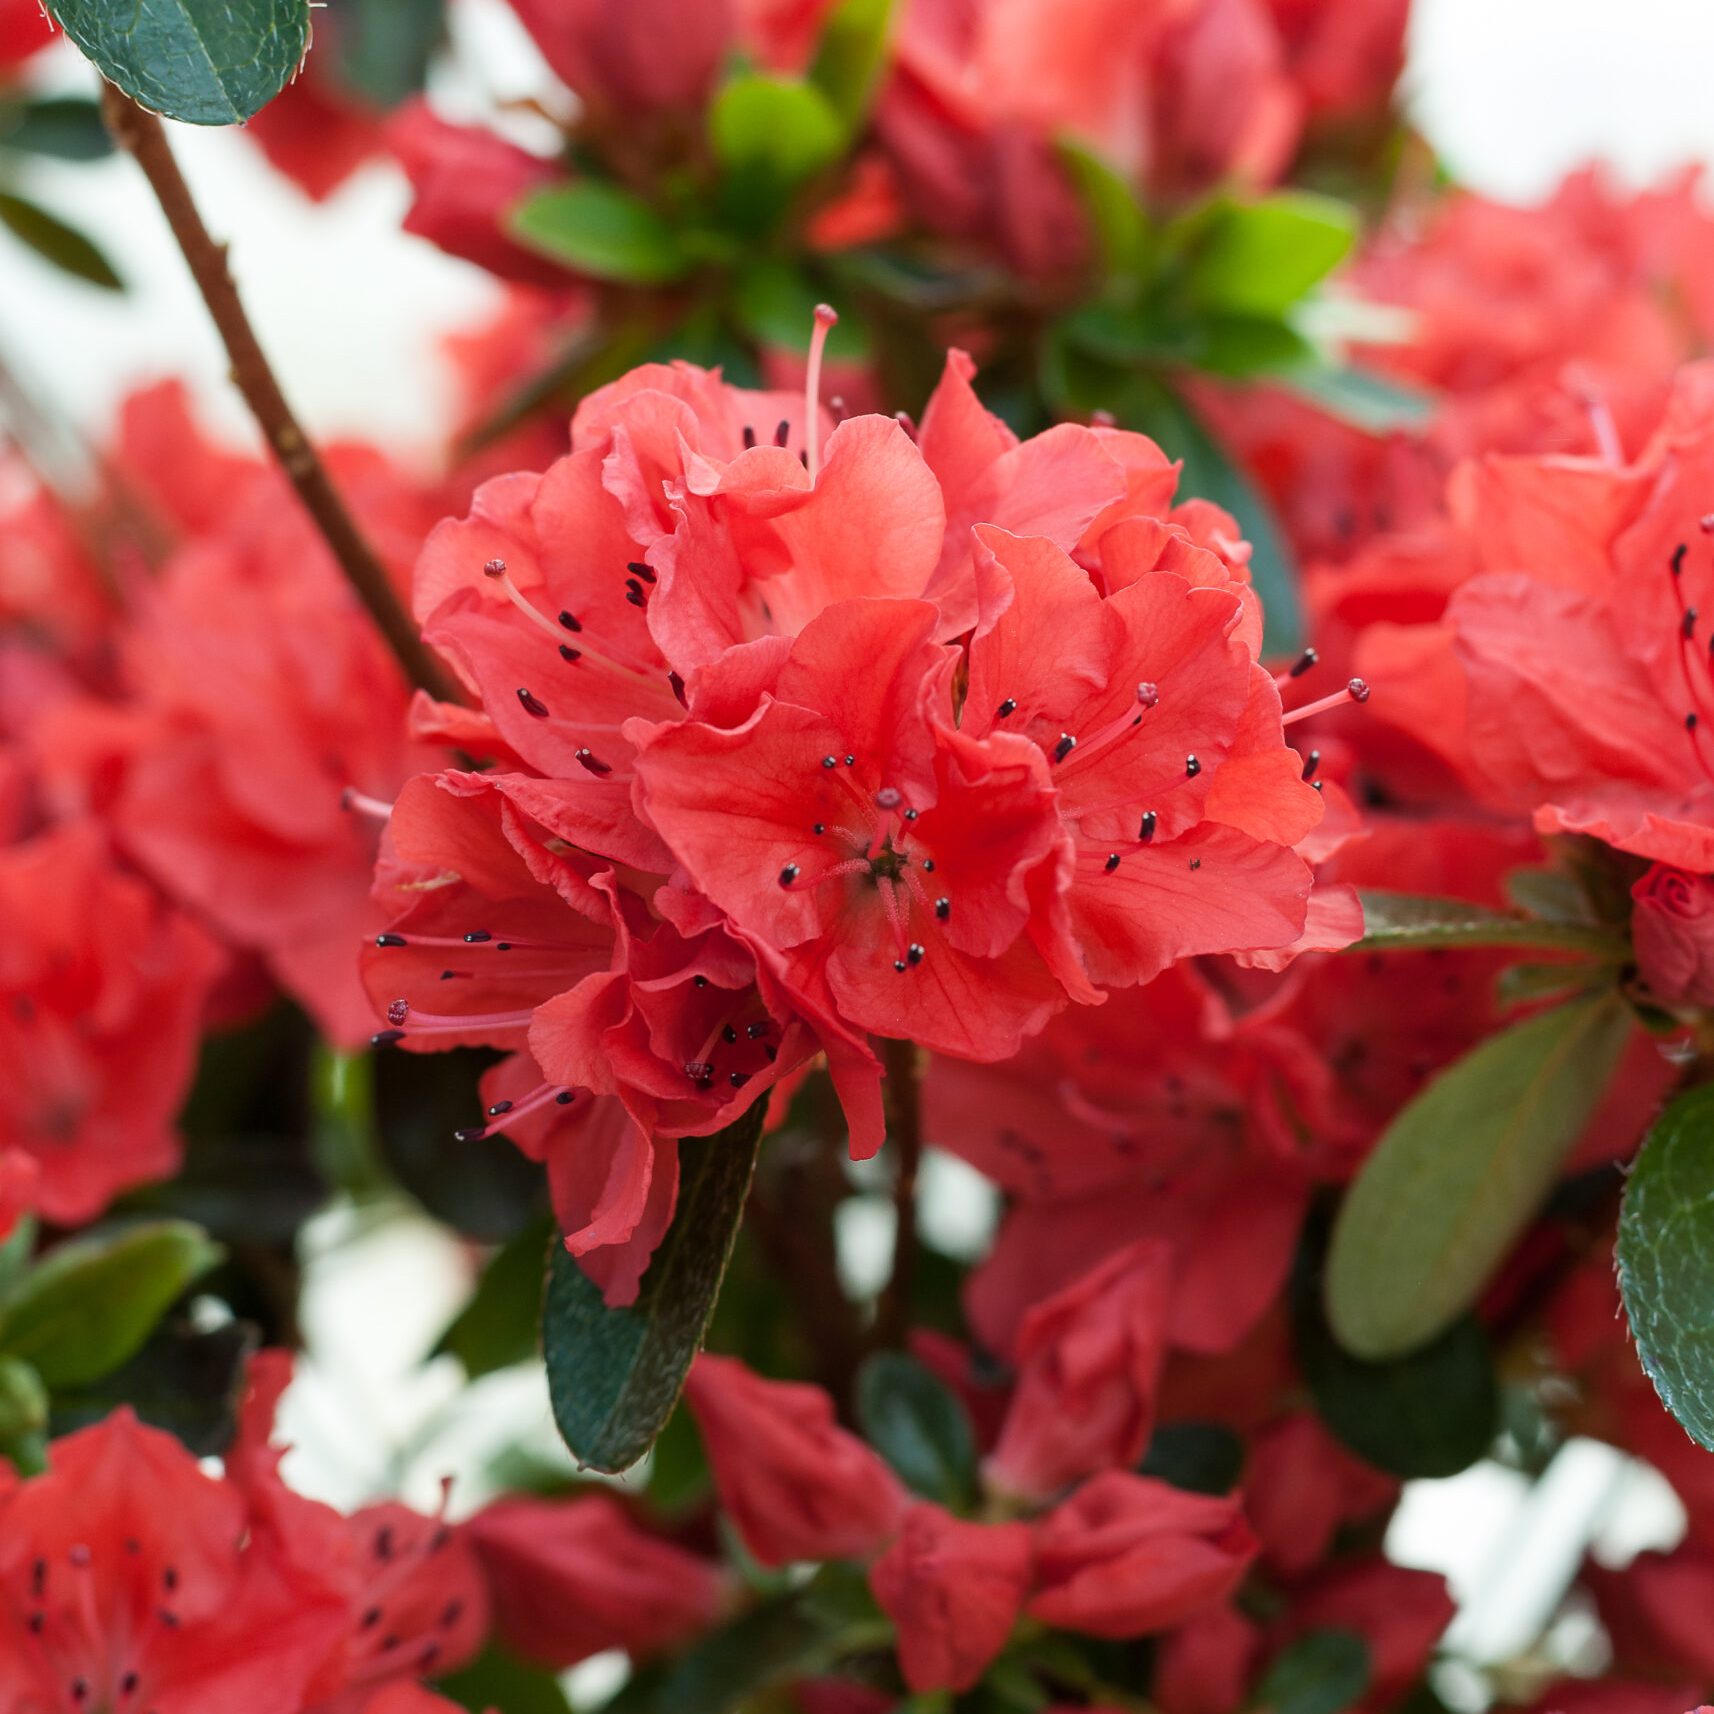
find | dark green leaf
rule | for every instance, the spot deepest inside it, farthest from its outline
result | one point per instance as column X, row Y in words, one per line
column 600, row 230
column 1240, row 346
column 1203, row 1457
column 1666, row 1240
column 385, row 46
column 849, row 56
column 796, row 1636
column 1367, row 401
column 496, row 1679
column 66, row 127
column 1432, row 1413
column 56, row 242
column 1210, row 475
column 23, row 1404
column 1461, row 1172
column 1399, row 921
column 207, row 62
column 1323, row 1672
column 769, row 135
column 90, row 1304
column 1115, row 216
column 185, row 1381
column 615, row 1374
column 1260, row 258
column 497, row 1327
column 920, row 1426
column 774, row 303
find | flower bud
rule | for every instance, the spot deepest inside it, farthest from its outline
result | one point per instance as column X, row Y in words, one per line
column 1672, row 928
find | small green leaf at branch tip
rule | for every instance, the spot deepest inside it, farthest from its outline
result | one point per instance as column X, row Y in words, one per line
column 920, row 1426
column 58, row 243
column 597, row 229
column 1116, row 218
column 770, row 135
column 191, row 60
column 1260, row 258
column 1323, row 1672
column 91, row 1303
column 1666, row 1277
column 1395, row 922
column 849, row 57
column 61, row 127
column 614, row 1375
column 1461, row 1172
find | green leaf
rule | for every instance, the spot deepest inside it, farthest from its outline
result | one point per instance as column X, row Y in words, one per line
column 56, row 242
column 1431, row 1413
column 1374, row 403
column 497, row 1327
column 185, row 1380
column 1210, row 475
column 23, row 1404
column 207, row 62
column 90, row 1304
column 1461, row 1172
column 600, row 230
column 65, row 127
column 797, row 1636
column 774, row 303
column 920, row 1426
column 615, row 1374
column 1115, row 216
column 1240, row 346
column 496, row 1679
column 1260, row 258
column 385, row 46
column 1202, row 1457
column 1323, row 1672
column 1666, row 1237
column 848, row 58
column 769, row 135
column 1394, row 922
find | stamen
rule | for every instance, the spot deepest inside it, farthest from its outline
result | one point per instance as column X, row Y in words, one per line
column 782, row 431
column 1311, row 762
column 825, row 320
column 1146, row 832
column 1009, row 706
column 1356, row 690
column 1112, row 861
column 1306, row 662
column 1067, row 743
column 1192, row 767
column 385, row 940
column 749, row 436
column 586, row 758
column 532, row 704
column 360, row 803
column 640, row 568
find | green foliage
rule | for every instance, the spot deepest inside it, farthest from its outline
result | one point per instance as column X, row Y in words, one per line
column 602, row 231
column 1323, row 1672
column 385, row 46
column 57, row 243
column 62, row 127
column 614, row 1375
column 1374, row 403
column 1260, row 258
column 1459, row 1174
column 1115, row 217
column 920, row 1426
column 1666, row 1237
column 89, row 1304
column 497, row 1327
column 1395, row 921
column 848, row 59
column 769, row 136
column 1203, row 1457
column 496, row 1679
column 207, row 62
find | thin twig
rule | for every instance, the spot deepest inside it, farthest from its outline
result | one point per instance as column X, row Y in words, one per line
column 142, row 135
column 902, row 1093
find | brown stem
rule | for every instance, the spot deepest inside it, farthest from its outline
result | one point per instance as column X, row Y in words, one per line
column 902, row 1093
column 142, row 135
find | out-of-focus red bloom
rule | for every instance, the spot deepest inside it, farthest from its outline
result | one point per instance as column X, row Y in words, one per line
column 1205, row 1666
column 315, row 131
column 632, row 60
column 25, row 28
column 1672, row 932
column 954, row 1590
column 466, row 180
column 409, row 1699
column 102, row 988
column 569, row 1578
column 1301, row 1487
column 1398, row 1611
column 1655, row 1611
column 18, row 1175
column 128, row 1579
column 1126, row 1555
column 50, row 587
column 1343, row 55
column 1088, row 1363
column 796, row 1485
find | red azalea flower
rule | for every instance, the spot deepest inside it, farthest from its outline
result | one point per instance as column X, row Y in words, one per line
column 128, row 1579
column 102, row 988
column 1399, row 1612
column 954, row 1590
column 1302, row 1487
column 795, row 1484
column 24, row 29
column 572, row 1577
column 632, row 60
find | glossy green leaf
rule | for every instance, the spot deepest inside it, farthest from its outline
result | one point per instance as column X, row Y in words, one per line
column 1666, row 1260
column 599, row 230
column 1461, row 1172
column 1202, row 1457
column 385, row 46
column 848, row 58
column 64, row 127
column 207, row 62
column 769, row 135
column 498, row 1326
column 1323, row 1672
column 614, row 1375
column 1115, row 216
column 1396, row 922
column 90, row 1304
column 920, row 1426
column 496, row 1679
column 56, row 242
column 1260, row 258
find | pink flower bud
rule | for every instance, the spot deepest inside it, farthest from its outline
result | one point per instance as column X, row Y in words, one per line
column 1672, row 927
